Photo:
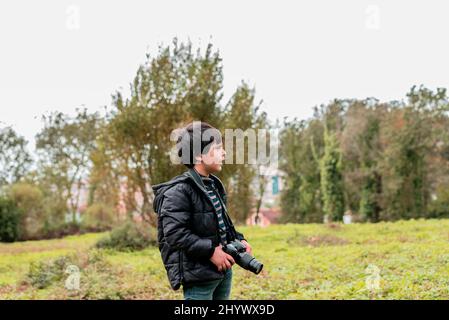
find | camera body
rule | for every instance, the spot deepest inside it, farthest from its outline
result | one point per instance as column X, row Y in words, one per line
column 237, row 250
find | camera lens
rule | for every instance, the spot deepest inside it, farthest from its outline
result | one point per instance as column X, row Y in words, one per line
column 255, row 266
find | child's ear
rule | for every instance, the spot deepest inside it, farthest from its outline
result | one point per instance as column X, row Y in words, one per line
column 198, row 159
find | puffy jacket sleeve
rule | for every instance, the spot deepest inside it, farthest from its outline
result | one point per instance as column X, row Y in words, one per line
column 176, row 213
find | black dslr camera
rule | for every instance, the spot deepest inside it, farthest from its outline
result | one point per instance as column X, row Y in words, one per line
column 237, row 250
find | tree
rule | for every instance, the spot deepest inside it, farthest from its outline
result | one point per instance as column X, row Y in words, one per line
column 174, row 88
column 412, row 150
column 241, row 115
column 9, row 220
column 362, row 154
column 14, row 157
column 301, row 148
column 331, row 178
column 64, row 147
column 28, row 198
column 395, row 157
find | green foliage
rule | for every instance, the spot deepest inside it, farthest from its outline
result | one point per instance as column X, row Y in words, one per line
column 97, row 279
column 29, row 199
column 331, row 178
column 383, row 161
column 129, row 237
column 58, row 230
column 439, row 207
column 241, row 114
column 178, row 85
column 14, row 157
column 369, row 204
column 300, row 143
column 64, row 147
column 9, row 220
column 407, row 154
column 169, row 90
column 362, row 150
column 42, row 274
column 98, row 217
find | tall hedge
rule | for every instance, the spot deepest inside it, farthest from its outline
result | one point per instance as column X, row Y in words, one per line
column 9, row 221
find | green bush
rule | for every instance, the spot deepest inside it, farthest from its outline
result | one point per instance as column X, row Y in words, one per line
column 43, row 273
column 439, row 208
column 59, row 230
column 9, row 221
column 129, row 237
column 98, row 217
column 29, row 199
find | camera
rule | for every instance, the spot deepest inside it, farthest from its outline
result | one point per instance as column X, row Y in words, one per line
column 237, row 250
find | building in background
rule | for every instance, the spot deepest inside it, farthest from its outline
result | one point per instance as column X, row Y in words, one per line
column 269, row 211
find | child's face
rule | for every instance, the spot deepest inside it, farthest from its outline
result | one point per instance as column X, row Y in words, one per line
column 213, row 159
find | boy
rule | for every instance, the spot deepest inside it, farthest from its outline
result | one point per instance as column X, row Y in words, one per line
column 193, row 222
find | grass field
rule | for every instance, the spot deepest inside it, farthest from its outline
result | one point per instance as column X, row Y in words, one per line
column 309, row 261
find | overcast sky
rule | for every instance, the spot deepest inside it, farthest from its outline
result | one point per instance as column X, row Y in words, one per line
column 59, row 55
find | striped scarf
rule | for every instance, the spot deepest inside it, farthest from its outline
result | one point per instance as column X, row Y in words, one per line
column 213, row 195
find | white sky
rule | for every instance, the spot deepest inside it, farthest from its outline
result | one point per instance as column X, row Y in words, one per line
column 296, row 53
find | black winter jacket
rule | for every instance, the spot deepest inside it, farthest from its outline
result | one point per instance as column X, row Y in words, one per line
column 188, row 228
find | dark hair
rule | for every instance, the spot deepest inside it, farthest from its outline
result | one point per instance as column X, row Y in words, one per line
column 195, row 139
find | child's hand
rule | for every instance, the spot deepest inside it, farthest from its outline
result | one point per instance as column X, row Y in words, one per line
column 248, row 247
column 221, row 259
